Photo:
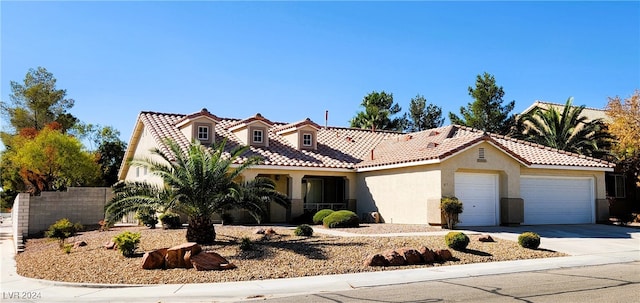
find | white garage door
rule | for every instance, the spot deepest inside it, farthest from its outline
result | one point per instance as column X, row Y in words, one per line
column 557, row 200
column 479, row 196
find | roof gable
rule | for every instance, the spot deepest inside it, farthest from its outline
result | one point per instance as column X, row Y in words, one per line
column 204, row 113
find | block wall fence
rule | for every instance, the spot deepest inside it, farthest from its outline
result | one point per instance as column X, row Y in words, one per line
column 31, row 215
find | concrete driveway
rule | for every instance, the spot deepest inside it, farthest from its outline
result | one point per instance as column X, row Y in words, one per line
column 575, row 240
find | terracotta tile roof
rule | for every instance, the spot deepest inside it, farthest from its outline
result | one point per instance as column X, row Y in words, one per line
column 441, row 143
column 296, row 125
column 351, row 148
column 337, row 147
column 257, row 117
column 203, row 112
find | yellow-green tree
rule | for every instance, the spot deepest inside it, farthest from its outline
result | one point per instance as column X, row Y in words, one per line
column 50, row 160
column 625, row 126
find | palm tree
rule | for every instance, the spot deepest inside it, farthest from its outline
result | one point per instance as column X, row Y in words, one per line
column 569, row 130
column 199, row 183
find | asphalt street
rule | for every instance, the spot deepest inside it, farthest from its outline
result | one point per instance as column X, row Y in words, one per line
column 604, row 283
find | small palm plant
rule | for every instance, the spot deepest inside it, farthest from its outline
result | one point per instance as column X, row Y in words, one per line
column 199, row 182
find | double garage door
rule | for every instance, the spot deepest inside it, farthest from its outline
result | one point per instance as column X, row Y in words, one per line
column 546, row 200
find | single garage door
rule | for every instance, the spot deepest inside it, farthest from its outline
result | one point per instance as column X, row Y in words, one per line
column 479, row 196
column 557, row 200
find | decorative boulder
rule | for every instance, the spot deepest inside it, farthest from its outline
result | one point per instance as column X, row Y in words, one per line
column 110, row 245
column 259, row 231
column 394, row 258
column 154, row 259
column 175, row 255
column 485, row 238
column 376, row 260
column 428, row 256
column 79, row 243
column 444, row 255
column 410, row 255
column 210, row 261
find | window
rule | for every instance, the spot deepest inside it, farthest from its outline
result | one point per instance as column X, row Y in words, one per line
column 616, row 186
column 203, row 133
column 257, row 136
column 307, row 139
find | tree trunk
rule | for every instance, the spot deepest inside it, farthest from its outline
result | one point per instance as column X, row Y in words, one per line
column 201, row 230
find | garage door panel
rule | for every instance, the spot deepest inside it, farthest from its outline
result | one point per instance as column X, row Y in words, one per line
column 557, row 200
column 478, row 193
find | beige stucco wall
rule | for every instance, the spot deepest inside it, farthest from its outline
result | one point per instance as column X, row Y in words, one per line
column 507, row 168
column 143, row 151
column 400, row 195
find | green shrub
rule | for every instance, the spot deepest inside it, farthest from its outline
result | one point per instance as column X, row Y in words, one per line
column 456, row 240
column 529, row 240
column 320, row 215
column 246, row 244
column 67, row 248
column 341, row 218
column 62, row 230
column 303, row 230
column 127, row 242
column 170, row 220
column 450, row 207
column 148, row 218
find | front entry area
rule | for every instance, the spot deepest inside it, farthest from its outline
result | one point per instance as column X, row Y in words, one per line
column 479, row 196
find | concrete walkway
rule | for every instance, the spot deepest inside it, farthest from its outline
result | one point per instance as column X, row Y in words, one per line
column 587, row 245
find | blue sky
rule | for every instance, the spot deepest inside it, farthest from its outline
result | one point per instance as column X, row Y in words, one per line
column 293, row 60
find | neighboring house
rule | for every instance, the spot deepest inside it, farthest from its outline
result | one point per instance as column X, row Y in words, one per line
column 619, row 189
column 500, row 180
column 590, row 113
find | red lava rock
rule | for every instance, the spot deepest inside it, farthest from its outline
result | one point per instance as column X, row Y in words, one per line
column 428, row 256
column 444, row 254
column 270, row 231
column 485, row 238
column 376, row 260
column 410, row 255
column 175, row 257
column 394, row 258
column 210, row 261
column 154, row 259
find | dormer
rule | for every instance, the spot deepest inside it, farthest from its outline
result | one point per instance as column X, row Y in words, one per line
column 253, row 131
column 302, row 135
column 199, row 126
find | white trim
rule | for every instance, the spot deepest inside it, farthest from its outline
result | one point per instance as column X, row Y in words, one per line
column 399, row 165
column 204, row 128
column 298, row 168
column 567, row 167
column 253, row 135
column 310, row 139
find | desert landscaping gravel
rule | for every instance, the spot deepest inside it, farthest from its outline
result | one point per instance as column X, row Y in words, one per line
column 278, row 256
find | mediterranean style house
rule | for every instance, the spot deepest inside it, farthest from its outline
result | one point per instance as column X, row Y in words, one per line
column 402, row 176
